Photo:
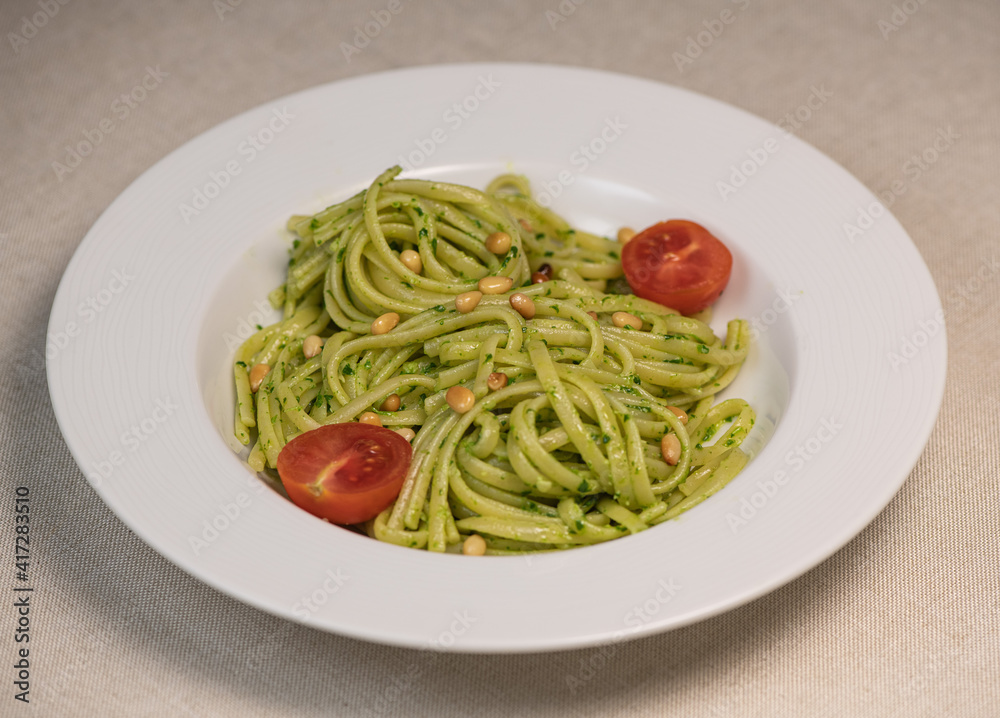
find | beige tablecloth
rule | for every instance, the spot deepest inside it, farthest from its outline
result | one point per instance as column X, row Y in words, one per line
column 901, row 622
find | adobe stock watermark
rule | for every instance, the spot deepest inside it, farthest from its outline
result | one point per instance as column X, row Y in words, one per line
column 779, row 305
column 265, row 650
column 562, row 12
column 248, row 150
column 729, row 697
column 130, row 441
column 73, row 674
column 334, row 579
column 702, row 40
column 307, row 606
column 946, row 653
column 974, row 284
column 402, row 681
column 229, row 513
column 364, row 34
column 911, row 345
column 460, row 625
column 901, row 14
column 87, row 311
column 939, row 662
column 121, row 107
column 634, row 619
column 31, row 25
column 757, row 157
column 249, row 325
column 795, row 460
column 224, row 7
column 453, row 117
column 581, row 159
column 912, row 170
column 76, row 668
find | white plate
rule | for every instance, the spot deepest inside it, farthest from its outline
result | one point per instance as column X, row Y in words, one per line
column 847, row 374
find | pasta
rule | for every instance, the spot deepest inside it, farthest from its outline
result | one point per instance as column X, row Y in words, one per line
column 568, row 451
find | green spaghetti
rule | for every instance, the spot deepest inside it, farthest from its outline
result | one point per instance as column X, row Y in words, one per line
column 568, row 451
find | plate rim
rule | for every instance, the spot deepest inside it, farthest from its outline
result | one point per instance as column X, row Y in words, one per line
column 834, row 543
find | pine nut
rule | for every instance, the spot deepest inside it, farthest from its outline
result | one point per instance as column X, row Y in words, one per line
column 546, row 269
column 391, row 403
column 538, row 278
column 385, row 323
column 407, row 433
column 522, row 305
column 467, row 301
column 370, row 418
column 475, row 545
column 257, row 374
column 411, row 260
column 495, row 285
column 497, row 380
column 625, row 234
column 680, row 413
column 592, row 315
column 498, row 242
column 525, row 225
column 670, row 447
column 460, row 399
column 624, row 319
column 312, row 346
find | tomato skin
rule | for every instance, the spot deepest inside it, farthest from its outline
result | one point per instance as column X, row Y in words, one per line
column 345, row 473
column 679, row 264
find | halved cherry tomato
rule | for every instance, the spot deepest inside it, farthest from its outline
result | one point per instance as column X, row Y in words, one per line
column 345, row 473
column 679, row 264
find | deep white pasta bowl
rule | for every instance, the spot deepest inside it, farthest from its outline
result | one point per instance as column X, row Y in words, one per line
column 845, row 375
